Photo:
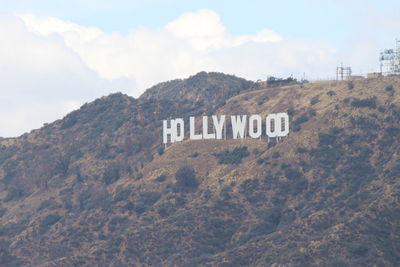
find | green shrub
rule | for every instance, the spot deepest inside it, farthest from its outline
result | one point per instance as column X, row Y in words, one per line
column 249, row 185
column 160, row 150
column 111, row 175
column 11, row 170
column 292, row 174
column 290, row 111
column 314, row 100
column 166, row 209
column 138, row 176
column 326, row 139
column 7, row 152
column 139, row 208
column 180, row 201
column 217, row 233
column 62, row 165
column 358, row 249
column 122, row 194
column 260, row 161
column 2, row 211
column 194, row 155
column 117, row 222
column 302, row 150
column 69, row 120
column 51, row 219
column 79, row 177
column 89, row 199
column 84, row 198
column 381, row 109
column 393, row 131
column 248, row 188
column 129, row 206
column 297, row 181
column 254, row 191
column 149, row 198
column 389, row 88
column 328, row 156
column 276, row 155
column 131, row 148
column 232, row 157
column 331, row 93
column 312, row 112
column 393, row 172
column 45, row 204
column 257, row 151
column 300, row 120
column 186, row 178
column 14, row 194
column 224, row 193
column 364, row 123
column 161, row 178
column 364, row 103
column 278, row 82
column 270, row 219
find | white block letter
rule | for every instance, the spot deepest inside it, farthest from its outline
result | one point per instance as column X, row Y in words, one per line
column 282, row 119
column 169, row 131
column 181, row 124
column 206, row 135
column 271, row 125
column 238, row 126
column 219, row 125
column 257, row 120
column 193, row 135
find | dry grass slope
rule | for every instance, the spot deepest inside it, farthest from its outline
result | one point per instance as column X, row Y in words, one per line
column 95, row 189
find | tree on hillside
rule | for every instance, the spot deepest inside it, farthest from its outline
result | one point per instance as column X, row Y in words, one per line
column 186, row 178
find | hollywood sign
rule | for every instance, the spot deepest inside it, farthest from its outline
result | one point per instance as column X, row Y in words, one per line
column 276, row 125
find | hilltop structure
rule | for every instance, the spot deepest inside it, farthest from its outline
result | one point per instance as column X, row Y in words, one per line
column 390, row 60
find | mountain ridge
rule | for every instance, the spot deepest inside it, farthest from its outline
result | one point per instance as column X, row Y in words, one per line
column 99, row 188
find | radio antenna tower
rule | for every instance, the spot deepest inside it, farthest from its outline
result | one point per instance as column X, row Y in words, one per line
column 390, row 60
column 343, row 73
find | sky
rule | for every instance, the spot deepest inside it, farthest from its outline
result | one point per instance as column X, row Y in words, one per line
column 57, row 55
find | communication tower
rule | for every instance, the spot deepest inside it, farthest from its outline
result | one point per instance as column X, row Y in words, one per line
column 343, row 73
column 390, row 60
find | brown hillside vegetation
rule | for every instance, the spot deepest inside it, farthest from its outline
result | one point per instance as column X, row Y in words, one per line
column 97, row 188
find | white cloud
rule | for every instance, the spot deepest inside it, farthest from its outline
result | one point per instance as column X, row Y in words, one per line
column 58, row 64
column 204, row 30
column 191, row 43
column 40, row 77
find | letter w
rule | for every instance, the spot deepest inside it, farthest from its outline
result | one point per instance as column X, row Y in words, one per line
column 238, row 126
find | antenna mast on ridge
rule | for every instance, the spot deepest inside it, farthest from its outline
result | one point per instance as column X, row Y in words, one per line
column 390, row 60
column 343, row 73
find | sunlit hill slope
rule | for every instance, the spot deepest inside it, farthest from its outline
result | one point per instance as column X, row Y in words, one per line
column 97, row 188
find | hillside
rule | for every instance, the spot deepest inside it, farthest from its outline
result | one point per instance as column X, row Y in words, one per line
column 97, row 188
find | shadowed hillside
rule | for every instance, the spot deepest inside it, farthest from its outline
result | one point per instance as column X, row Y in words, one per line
column 98, row 187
